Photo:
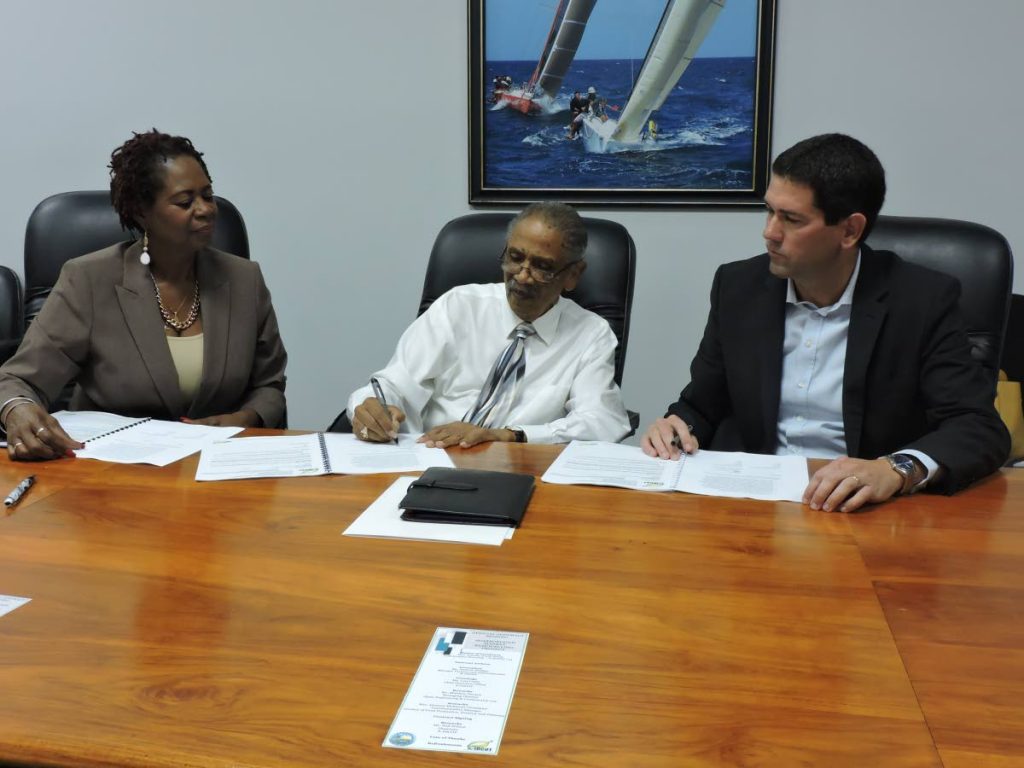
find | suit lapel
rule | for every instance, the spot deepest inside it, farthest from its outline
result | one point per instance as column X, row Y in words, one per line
column 770, row 312
column 215, row 294
column 866, row 318
column 138, row 306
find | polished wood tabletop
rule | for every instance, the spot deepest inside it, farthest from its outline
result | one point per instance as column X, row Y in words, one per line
column 176, row 623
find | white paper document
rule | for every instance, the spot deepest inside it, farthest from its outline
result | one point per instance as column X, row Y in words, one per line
column 314, row 454
column 383, row 519
column 9, row 602
column 460, row 698
column 126, row 440
column 708, row 473
column 351, row 456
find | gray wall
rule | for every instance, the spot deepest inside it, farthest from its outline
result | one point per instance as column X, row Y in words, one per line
column 339, row 129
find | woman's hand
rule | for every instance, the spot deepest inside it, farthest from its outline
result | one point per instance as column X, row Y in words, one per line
column 244, row 418
column 34, row 435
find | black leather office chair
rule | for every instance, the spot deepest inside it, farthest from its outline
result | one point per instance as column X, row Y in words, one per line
column 75, row 223
column 976, row 255
column 11, row 322
column 467, row 250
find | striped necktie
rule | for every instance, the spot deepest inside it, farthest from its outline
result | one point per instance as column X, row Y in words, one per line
column 499, row 388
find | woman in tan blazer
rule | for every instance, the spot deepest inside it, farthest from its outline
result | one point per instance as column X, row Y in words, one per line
column 165, row 326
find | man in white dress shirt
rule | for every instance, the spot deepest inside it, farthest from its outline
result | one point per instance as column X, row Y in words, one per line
column 512, row 362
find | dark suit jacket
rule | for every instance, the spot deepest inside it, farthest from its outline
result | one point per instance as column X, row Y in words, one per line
column 101, row 327
column 909, row 380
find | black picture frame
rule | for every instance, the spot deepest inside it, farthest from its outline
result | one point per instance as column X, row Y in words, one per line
column 745, row 180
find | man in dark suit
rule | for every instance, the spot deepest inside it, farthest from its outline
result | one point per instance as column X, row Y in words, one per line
column 824, row 348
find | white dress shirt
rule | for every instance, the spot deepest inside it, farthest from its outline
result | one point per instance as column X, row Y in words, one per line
column 442, row 360
column 813, row 366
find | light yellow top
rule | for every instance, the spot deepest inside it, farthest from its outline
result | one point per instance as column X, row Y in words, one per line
column 187, row 354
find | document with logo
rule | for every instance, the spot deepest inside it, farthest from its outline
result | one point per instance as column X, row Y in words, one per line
column 708, row 473
column 460, row 698
column 126, row 440
column 314, row 454
column 9, row 602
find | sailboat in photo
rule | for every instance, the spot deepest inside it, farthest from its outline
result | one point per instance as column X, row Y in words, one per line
column 538, row 94
column 683, row 27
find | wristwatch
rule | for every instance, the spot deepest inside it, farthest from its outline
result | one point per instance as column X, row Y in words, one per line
column 518, row 436
column 909, row 468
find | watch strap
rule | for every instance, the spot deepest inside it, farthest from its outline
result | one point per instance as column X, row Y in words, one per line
column 909, row 468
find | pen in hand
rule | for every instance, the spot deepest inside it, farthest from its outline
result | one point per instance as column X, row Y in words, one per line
column 19, row 491
column 379, row 394
column 677, row 440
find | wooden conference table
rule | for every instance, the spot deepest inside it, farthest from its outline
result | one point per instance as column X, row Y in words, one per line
column 230, row 624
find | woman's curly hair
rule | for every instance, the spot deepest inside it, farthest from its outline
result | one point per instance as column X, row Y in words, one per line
column 136, row 172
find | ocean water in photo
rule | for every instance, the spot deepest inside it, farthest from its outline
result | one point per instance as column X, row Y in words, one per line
column 705, row 131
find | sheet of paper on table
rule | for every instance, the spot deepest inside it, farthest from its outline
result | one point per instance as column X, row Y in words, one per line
column 383, row 519
column 314, row 454
column 9, row 602
column 461, row 695
column 708, row 473
column 127, row 440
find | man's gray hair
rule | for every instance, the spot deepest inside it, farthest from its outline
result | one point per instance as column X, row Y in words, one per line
column 562, row 218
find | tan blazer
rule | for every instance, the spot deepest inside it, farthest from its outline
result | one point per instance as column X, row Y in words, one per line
column 101, row 327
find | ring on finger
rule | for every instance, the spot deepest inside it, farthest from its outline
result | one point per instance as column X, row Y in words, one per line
column 20, row 442
column 40, row 430
column 364, row 432
column 855, row 479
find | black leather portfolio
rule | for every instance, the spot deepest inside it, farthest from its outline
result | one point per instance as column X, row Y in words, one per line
column 468, row 496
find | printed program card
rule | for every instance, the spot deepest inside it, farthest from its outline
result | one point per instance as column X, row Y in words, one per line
column 460, row 697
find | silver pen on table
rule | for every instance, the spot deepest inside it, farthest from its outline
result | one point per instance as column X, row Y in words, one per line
column 19, row 491
column 379, row 394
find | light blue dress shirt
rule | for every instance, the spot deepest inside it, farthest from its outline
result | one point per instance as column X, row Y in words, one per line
column 813, row 362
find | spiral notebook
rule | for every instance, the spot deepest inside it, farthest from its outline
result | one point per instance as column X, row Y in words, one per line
column 127, row 440
column 314, row 454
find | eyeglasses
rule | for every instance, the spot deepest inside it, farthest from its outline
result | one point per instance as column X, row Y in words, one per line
column 512, row 263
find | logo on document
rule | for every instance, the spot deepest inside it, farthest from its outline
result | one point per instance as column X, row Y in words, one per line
column 402, row 739
column 479, row 746
column 451, row 643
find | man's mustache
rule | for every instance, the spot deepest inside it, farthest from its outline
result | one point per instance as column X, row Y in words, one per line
column 523, row 290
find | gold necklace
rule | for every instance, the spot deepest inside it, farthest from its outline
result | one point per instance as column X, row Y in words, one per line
column 181, row 304
column 171, row 318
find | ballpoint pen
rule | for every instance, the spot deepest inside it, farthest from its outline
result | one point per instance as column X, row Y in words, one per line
column 19, row 491
column 677, row 441
column 379, row 394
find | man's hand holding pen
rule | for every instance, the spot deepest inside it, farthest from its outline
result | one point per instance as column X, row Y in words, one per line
column 375, row 421
column 668, row 438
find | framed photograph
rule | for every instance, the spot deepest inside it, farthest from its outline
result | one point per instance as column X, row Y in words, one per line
column 623, row 102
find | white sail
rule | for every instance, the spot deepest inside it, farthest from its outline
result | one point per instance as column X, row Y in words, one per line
column 684, row 25
column 559, row 56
